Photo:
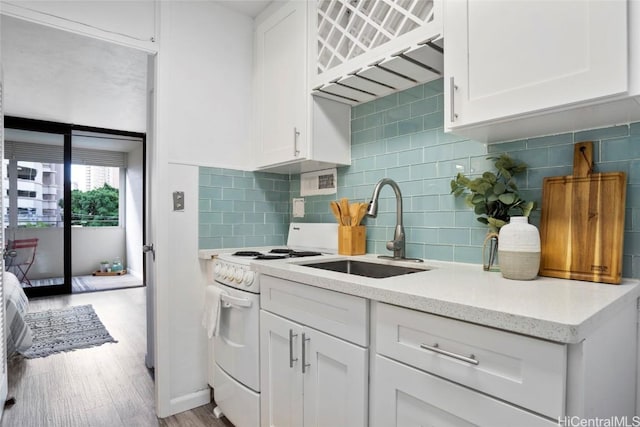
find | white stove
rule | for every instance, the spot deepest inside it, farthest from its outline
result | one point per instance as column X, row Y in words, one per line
column 304, row 240
column 236, row 356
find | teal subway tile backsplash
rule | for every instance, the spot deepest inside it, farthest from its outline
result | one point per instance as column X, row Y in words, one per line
column 412, row 94
column 602, row 133
column 396, row 114
column 242, row 209
column 634, row 172
column 401, row 136
column 619, row 149
column 551, row 140
column 386, row 102
column 408, row 126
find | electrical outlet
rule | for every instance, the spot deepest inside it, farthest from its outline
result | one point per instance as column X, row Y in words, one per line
column 298, row 208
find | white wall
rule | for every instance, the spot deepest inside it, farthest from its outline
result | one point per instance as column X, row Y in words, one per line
column 131, row 22
column 188, row 368
column 89, row 246
column 49, row 253
column 203, row 102
column 133, row 215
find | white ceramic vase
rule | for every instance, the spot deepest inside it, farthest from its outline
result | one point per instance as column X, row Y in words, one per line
column 519, row 249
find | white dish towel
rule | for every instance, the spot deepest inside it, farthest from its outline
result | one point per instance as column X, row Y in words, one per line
column 211, row 315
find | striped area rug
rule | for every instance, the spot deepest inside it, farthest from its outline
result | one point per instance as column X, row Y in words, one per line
column 65, row 329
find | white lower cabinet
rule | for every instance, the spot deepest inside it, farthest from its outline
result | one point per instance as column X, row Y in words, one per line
column 308, row 377
column 433, row 370
column 329, row 359
column 280, row 377
column 525, row 371
column 407, row 397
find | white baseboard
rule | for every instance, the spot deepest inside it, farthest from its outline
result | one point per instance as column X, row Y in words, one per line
column 190, row 401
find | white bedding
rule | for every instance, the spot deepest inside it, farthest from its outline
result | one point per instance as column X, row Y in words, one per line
column 18, row 333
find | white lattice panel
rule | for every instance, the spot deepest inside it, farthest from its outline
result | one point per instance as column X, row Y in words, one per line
column 349, row 28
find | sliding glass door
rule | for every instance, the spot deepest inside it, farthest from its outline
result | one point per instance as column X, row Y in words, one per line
column 34, row 201
column 99, row 231
column 73, row 206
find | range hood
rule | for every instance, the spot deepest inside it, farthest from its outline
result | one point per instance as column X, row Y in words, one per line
column 399, row 71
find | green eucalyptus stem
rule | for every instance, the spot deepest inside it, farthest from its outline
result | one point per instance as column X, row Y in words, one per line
column 494, row 197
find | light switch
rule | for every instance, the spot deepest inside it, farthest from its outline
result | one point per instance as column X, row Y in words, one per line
column 298, row 208
column 178, row 200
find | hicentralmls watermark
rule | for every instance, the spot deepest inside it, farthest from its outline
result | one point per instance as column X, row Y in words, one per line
column 599, row 422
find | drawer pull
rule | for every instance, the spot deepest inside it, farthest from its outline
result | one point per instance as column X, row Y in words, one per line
column 291, row 358
column 304, row 357
column 436, row 349
column 452, row 95
column 296, row 134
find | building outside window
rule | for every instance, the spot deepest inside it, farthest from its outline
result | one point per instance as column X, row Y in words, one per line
column 37, row 193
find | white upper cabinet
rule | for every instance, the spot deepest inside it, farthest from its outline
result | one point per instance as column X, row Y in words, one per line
column 281, row 68
column 507, row 63
column 509, row 58
column 362, row 50
column 294, row 132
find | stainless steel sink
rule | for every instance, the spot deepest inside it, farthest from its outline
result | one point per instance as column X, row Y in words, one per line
column 366, row 269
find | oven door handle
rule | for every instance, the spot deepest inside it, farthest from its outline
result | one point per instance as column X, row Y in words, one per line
column 228, row 301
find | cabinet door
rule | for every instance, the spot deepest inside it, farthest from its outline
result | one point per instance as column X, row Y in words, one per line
column 508, row 58
column 335, row 381
column 281, row 85
column 407, row 397
column 281, row 381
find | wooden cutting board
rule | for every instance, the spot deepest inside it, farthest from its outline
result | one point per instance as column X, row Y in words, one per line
column 582, row 225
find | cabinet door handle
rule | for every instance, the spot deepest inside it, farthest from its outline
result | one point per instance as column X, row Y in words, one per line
column 452, row 94
column 296, row 134
column 304, row 353
column 436, row 349
column 291, row 337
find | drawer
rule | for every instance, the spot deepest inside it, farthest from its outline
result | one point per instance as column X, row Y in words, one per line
column 341, row 315
column 526, row 371
column 405, row 396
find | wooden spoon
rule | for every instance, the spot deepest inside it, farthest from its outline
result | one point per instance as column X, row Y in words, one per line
column 362, row 212
column 344, row 210
column 353, row 213
column 335, row 208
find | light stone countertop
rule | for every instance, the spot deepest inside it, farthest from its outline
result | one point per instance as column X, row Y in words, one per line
column 554, row 309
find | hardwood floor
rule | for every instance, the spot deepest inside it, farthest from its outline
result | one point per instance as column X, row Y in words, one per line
column 107, row 385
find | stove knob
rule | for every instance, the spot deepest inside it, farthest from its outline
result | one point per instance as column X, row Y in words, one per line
column 248, row 278
column 239, row 274
column 216, row 269
column 230, row 273
column 224, row 272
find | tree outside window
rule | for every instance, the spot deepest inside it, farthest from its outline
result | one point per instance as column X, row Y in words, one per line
column 95, row 208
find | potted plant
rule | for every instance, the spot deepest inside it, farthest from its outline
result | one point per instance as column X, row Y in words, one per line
column 494, row 197
column 104, row 266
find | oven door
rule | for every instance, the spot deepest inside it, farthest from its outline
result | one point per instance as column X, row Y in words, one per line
column 237, row 345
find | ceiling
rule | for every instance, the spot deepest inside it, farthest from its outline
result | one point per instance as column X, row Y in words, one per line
column 246, row 7
column 55, row 75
